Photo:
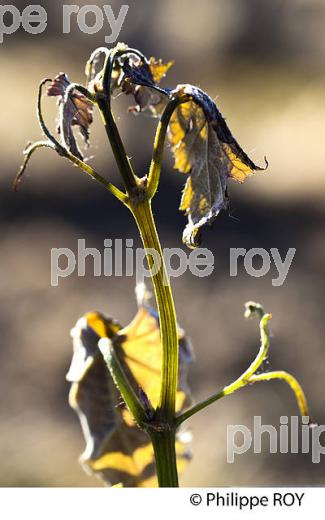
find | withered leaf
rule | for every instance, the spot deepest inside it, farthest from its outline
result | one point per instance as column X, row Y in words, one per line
column 201, row 142
column 204, row 148
column 78, row 112
column 141, row 79
column 116, row 449
column 94, row 69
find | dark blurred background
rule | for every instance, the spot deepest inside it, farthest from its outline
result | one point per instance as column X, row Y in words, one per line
column 264, row 62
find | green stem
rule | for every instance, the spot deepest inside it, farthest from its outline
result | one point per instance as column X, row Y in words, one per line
column 28, row 152
column 165, row 455
column 291, row 381
column 158, row 149
column 164, row 443
column 96, row 176
column 131, row 399
column 198, row 407
column 163, row 433
column 244, row 378
column 166, row 309
column 121, row 158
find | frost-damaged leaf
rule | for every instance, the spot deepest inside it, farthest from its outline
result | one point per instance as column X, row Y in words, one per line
column 79, row 112
column 116, row 449
column 204, row 148
column 141, row 79
column 95, row 68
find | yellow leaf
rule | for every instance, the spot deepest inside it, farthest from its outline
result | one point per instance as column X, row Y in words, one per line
column 158, row 68
column 204, row 148
column 116, row 449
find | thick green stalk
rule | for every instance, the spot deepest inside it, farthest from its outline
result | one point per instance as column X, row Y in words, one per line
column 166, row 309
column 162, row 433
column 163, row 441
column 165, row 455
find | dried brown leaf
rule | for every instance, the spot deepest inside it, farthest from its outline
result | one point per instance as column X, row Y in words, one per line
column 78, row 112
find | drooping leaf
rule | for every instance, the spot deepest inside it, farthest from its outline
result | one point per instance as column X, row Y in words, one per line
column 95, row 68
column 131, row 75
column 202, row 144
column 204, row 148
column 147, row 73
column 116, row 449
column 141, row 79
column 78, row 112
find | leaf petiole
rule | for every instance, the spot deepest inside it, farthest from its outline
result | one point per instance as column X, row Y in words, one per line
column 158, row 148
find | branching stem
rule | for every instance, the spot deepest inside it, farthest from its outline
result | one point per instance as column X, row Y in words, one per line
column 161, row 424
